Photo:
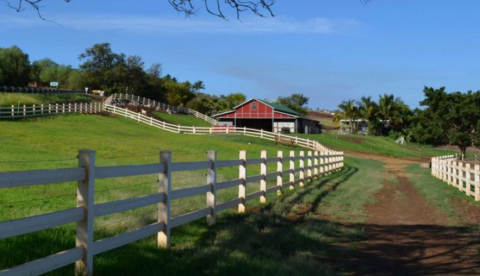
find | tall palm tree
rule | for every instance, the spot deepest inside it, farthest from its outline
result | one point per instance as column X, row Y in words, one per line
column 349, row 111
column 368, row 108
column 198, row 85
column 389, row 109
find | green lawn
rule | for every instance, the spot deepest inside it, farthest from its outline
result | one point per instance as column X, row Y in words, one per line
column 375, row 144
column 279, row 240
column 9, row 99
column 182, row 119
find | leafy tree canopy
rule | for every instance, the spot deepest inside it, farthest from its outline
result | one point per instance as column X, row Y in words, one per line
column 296, row 102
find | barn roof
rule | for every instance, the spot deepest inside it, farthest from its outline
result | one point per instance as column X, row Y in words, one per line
column 280, row 108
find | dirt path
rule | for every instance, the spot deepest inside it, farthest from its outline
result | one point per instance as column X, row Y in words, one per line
column 407, row 236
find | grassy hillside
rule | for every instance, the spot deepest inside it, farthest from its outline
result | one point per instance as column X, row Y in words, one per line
column 182, row 119
column 8, row 99
column 376, row 145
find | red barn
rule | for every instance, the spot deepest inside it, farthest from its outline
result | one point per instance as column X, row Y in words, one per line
column 268, row 116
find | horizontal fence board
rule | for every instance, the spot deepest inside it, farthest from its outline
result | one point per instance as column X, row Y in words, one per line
column 298, row 170
column 46, row 264
column 254, row 178
column 191, row 191
column 186, row 218
column 253, row 195
column 108, row 208
column 38, row 177
column 229, row 204
column 273, row 159
column 229, row 163
column 107, row 244
column 273, row 189
column 254, row 161
column 229, row 184
column 191, row 166
column 22, row 226
column 130, row 170
column 273, row 175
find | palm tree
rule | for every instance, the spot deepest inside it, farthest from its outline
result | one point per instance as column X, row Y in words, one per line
column 368, row 108
column 349, row 111
column 389, row 109
column 198, row 85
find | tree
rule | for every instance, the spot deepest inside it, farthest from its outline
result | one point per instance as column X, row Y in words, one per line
column 449, row 119
column 296, row 102
column 14, row 67
column 198, row 85
column 348, row 111
column 389, row 109
column 188, row 7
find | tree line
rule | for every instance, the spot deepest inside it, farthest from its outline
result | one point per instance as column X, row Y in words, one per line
column 103, row 69
column 443, row 119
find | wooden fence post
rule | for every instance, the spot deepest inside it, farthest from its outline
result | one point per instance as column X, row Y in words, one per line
column 468, row 177
column 263, row 173
column 34, row 110
column 164, row 186
column 242, row 174
column 309, row 165
column 322, row 163
column 477, row 182
column 24, row 111
column 292, row 170
column 315, row 164
column 13, row 111
column 329, row 163
column 56, row 108
column 459, row 176
column 302, row 169
column 280, row 172
column 212, row 181
column 49, row 108
column 86, row 200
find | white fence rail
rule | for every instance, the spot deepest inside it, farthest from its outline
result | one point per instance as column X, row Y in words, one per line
column 24, row 111
column 459, row 174
column 163, row 106
column 317, row 164
column 307, row 143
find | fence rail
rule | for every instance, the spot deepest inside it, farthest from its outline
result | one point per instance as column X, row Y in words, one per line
column 24, row 111
column 458, row 174
column 163, row 106
column 259, row 133
column 318, row 164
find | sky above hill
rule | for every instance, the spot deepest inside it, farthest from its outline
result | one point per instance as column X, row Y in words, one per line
column 328, row 50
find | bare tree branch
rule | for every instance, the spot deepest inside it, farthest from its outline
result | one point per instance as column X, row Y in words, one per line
column 35, row 4
column 257, row 7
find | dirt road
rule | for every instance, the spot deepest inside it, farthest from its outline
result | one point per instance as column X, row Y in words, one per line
column 405, row 235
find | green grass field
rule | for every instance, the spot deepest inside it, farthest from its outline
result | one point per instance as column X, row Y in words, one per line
column 182, row 119
column 376, row 145
column 9, row 99
column 53, row 142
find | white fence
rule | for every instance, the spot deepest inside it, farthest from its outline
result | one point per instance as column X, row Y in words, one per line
column 307, row 143
column 163, row 106
column 24, row 111
column 317, row 164
column 461, row 175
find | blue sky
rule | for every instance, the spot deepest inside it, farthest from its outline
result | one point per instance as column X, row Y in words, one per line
column 329, row 50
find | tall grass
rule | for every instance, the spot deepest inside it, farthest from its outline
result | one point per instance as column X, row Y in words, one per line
column 9, row 99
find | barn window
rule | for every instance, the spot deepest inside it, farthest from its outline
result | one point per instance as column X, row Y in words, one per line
column 254, row 106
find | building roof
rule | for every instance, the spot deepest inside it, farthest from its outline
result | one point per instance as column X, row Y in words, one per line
column 280, row 108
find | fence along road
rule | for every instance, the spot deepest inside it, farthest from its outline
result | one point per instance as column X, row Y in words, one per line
column 163, row 106
column 458, row 174
column 318, row 164
column 259, row 133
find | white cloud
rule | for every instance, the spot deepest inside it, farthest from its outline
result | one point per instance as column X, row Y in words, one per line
column 154, row 25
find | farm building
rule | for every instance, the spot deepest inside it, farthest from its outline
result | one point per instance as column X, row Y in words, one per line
column 260, row 114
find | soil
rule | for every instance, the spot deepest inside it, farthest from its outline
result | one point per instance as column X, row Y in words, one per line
column 404, row 235
column 352, row 139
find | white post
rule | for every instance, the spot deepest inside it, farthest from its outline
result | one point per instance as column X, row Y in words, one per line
column 24, row 111
column 280, row 172
column 63, row 108
column 263, row 173
column 13, row 111
column 309, row 165
column 302, row 169
column 242, row 174
column 468, row 177
column 34, row 110
column 164, row 186
column 322, row 163
column 41, row 108
column 212, row 181
column 49, row 108
column 315, row 164
column 56, row 108
column 477, row 182
column 85, row 199
column 292, row 170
